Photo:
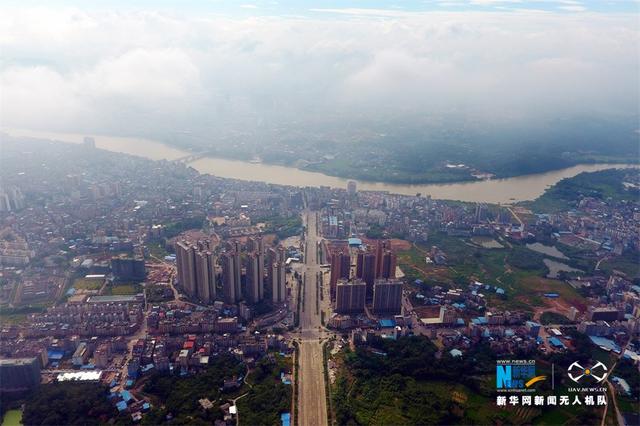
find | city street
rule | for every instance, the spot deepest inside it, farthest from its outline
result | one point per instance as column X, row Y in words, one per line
column 312, row 406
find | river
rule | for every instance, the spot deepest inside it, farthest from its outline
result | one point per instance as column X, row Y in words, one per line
column 497, row 191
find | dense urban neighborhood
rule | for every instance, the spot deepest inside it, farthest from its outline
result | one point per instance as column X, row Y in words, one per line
column 140, row 291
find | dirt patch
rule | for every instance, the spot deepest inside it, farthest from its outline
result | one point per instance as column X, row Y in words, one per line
column 428, row 311
column 399, row 245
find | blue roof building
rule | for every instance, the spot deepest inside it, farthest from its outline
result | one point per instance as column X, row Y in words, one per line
column 55, row 355
column 604, row 343
column 556, row 343
column 355, row 242
column 285, row 418
column 386, row 323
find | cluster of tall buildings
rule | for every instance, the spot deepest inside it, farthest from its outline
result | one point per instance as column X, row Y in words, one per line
column 197, row 270
column 11, row 199
column 373, row 281
column 370, row 266
column 351, row 296
column 197, row 274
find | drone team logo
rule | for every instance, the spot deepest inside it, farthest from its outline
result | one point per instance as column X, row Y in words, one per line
column 597, row 372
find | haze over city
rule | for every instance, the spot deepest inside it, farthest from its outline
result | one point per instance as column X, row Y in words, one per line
column 288, row 213
column 205, row 69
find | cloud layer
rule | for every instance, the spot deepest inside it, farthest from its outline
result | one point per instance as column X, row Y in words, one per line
column 146, row 73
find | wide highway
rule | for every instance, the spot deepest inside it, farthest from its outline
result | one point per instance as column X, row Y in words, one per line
column 312, row 405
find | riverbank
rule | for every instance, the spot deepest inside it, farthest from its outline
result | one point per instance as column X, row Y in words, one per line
column 496, row 191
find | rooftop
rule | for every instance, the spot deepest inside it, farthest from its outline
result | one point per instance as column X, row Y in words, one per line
column 80, row 376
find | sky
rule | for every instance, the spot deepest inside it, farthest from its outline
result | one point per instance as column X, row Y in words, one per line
column 154, row 68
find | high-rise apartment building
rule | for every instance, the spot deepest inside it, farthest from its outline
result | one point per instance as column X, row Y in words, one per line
column 230, row 277
column 387, row 296
column 186, row 262
column 373, row 265
column 255, row 277
column 366, row 271
column 279, row 282
column 206, row 276
column 128, row 269
column 196, row 270
column 351, row 188
column 350, row 296
column 388, row 268
column 19, row 374
column 340, row 269
column 274, row 255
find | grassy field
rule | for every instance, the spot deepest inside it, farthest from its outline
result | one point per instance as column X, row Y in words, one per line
column 157, row 250
column 87, row 284
column 12, row 418
column 123, row 289
column 628, row 263
column 554, row 318
column 12, row 319
column 282, row 227
column 514, row 268
column 18, row 314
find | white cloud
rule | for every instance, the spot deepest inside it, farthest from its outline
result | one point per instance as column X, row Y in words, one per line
column 573, row 8
column 148, row 72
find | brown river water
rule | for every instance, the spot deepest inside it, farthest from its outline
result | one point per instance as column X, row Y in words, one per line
column 504, row 191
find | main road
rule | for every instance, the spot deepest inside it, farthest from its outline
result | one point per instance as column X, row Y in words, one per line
column 312, row 404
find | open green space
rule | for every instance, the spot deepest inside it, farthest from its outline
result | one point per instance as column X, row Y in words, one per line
column 87, row 284
column 176, row 228
column 403, row 382
column 627, row 370
column 123, row 289
column 514, row 268
column 12, row 418
column 18, row 314
column 267, row 397
column 68, row 404
column 282, row 226
column 156, row 293
column 157, row 250
column 628, row 263
column 179, row 395
column 553, row 318
column 602, row 185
